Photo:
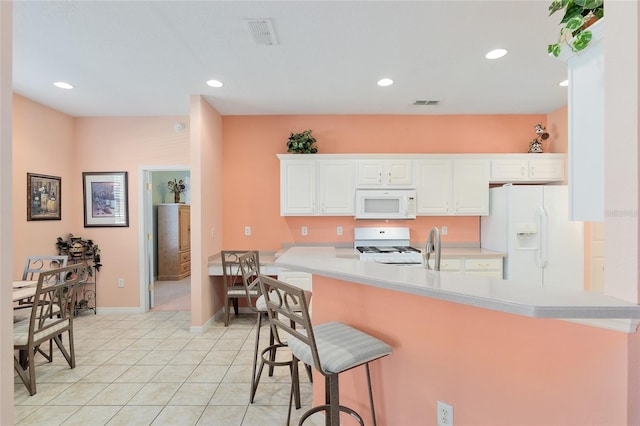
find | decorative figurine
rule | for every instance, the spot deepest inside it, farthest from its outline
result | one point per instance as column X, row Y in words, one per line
column 535, row 146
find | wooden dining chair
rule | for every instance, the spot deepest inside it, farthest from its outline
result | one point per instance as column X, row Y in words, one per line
column 51, row 316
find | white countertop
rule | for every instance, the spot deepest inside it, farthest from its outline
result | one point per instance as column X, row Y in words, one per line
column 482, row 292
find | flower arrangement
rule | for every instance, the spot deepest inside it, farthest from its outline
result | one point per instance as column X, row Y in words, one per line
column 176, row 186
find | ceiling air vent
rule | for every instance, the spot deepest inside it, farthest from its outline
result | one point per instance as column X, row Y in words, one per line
column 426, row 103
column 262, row 31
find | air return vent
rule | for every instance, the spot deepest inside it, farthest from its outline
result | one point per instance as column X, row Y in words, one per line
column 426, row 103
column 262, row 31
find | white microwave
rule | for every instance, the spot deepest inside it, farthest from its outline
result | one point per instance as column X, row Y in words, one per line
column 385, row 204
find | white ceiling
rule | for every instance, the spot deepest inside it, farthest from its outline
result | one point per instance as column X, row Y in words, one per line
column 147, row 57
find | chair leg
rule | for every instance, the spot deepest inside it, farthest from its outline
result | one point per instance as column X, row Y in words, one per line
column 226, row 311
column 373, row 410
column 333, row 394
column 254, row 379
column 235, row 306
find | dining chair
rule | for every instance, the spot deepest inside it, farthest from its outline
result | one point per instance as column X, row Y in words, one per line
column 232, row 278
column 250, row 270
column 51, row 315
column 331, row 348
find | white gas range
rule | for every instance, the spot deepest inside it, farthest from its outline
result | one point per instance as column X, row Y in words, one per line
column 386, row 245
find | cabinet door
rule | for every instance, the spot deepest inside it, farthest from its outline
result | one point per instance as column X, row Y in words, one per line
column 470, row 187
column 433, row 189
column 399, row 173
column 546, row 170
column 302, row 280
column 508, row 170
column 337, row 187
column 385, row 173
column 297, row 187
column 184, row 220
column 490, row 267
column 370, row 173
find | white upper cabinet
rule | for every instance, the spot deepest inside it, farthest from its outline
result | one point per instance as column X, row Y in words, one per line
column 310, row 187
column 470, row 187
column 528, row 168
column 452, row 187
column 336, row 184
column 394, row 173
column 433, row 188
column 297, row 187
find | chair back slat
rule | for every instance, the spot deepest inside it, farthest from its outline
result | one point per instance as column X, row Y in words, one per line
column 54, row 299
column 250, row 271
column 287, row 301
column 231, row 272
column 35, row 265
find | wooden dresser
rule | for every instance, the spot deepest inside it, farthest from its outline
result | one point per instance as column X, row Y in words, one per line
column 174, row 241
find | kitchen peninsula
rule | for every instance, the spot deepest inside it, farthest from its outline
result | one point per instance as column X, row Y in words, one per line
column 476, row 342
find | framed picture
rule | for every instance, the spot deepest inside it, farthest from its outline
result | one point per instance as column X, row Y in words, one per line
column 43, row 197
column 105, row 199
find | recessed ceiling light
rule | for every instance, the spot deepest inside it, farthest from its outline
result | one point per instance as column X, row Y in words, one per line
column 495, row 54
column 214, row 83
column 63, row 85
column 385, row 82
column 564, row 83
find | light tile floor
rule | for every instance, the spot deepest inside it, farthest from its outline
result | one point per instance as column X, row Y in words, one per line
column 143, row 369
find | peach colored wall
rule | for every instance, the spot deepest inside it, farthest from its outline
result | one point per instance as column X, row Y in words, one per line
column 493, row 368
column 122, row 144
column 557, row 126
column 206, row 208
column 43, row 143
column 252, row 180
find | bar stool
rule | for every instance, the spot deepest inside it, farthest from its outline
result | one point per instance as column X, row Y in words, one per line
column 331, row 348
column 250, row 271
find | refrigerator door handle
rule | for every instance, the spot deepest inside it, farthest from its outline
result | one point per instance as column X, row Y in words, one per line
column 543, row 225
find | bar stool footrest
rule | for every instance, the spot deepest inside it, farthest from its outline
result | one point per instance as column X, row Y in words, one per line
column 326, row 408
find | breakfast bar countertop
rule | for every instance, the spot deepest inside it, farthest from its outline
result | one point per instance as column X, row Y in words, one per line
column 488, row 293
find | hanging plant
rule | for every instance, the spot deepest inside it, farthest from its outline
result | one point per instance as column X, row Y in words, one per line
column 302, row 143
column 578, row 15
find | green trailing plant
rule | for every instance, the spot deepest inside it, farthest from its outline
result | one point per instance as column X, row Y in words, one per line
column 302, row 143
column 573, row 28
column 85, row 248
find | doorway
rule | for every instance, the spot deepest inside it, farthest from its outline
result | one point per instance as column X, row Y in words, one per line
column 167, row 294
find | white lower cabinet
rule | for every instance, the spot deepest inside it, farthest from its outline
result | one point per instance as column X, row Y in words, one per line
column 486, row 266
column 299, row 279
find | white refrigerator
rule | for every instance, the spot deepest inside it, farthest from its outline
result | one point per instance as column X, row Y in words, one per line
column 530, row 223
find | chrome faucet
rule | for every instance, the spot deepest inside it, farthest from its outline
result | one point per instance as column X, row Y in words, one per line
column 433, row 245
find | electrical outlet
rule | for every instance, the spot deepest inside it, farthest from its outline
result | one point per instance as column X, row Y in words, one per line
column 304, row 230
column 120, row 282
column 247, row 230
column 445, row 229
column 445, row 414
column 339, row 230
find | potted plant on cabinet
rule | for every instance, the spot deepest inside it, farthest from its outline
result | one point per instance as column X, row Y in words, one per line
column 302, row 143
column 578, row 15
